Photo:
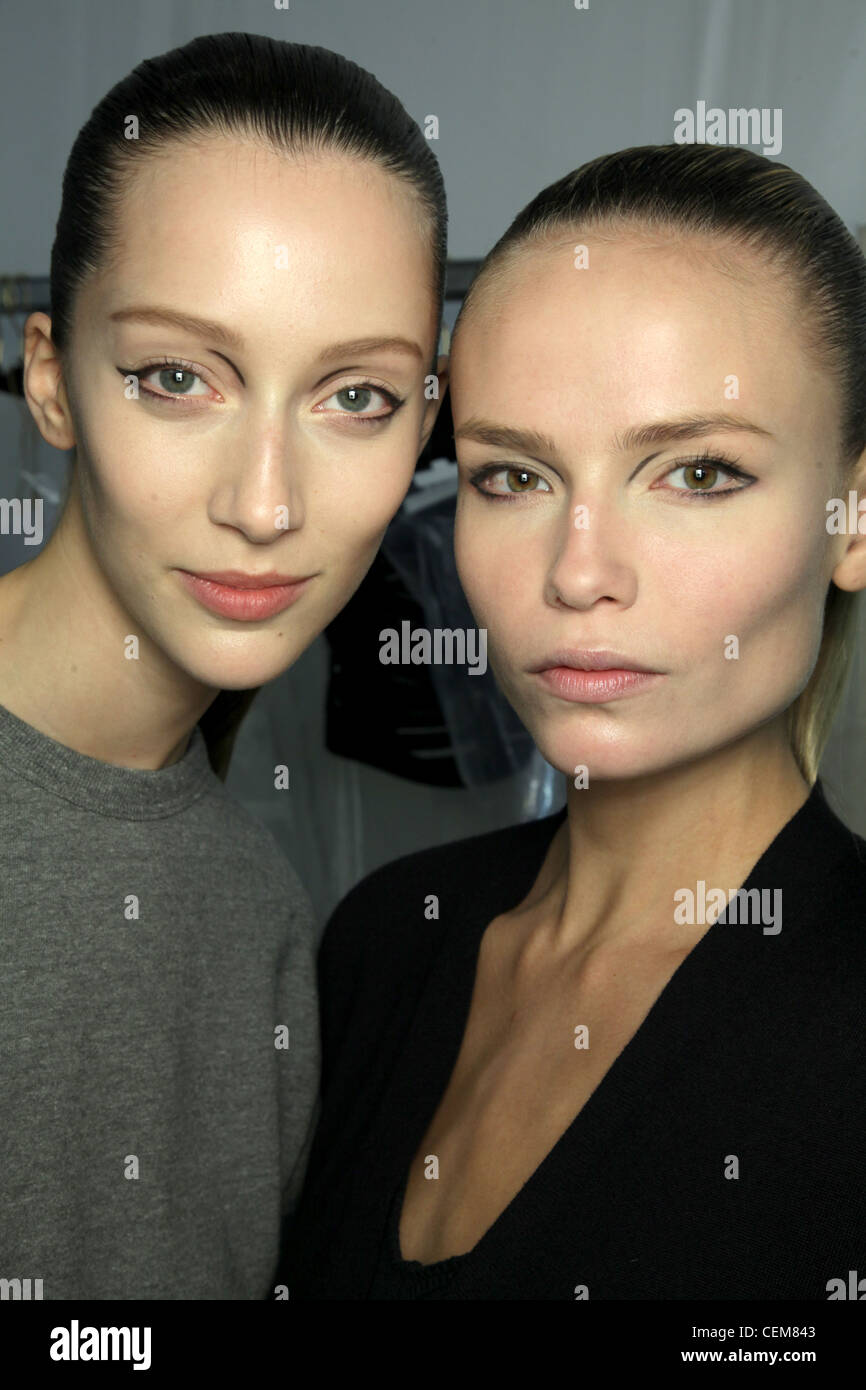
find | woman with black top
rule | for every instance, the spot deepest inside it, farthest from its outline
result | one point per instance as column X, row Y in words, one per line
column 618, row 1053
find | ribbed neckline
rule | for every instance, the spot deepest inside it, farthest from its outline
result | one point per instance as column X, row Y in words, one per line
column 123, row 793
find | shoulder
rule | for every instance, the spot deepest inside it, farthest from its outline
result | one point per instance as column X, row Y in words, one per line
column 817, row 869
column 383, row 937
column 835, row 945
column 392, row 907
column 251, row 851
column 837, row 856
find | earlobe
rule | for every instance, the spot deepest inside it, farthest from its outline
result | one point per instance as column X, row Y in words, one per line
column 850, row 573
column 44, row 387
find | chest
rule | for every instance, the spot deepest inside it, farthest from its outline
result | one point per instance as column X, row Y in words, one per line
column 529, row 1061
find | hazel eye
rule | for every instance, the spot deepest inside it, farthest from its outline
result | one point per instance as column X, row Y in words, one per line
column 518, row 480
column 705, row 472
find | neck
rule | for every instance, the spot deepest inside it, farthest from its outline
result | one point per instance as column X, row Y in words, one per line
column 627, row 846
column 63, row 664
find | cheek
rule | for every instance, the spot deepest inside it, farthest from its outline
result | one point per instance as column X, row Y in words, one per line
column 132, row 476
column 754, row 610
column 504, row 591
column 479, row 569
column 500, row 569
column 127, row 496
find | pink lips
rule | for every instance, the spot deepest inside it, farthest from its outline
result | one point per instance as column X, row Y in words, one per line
column 593, row 677
column 248, row 597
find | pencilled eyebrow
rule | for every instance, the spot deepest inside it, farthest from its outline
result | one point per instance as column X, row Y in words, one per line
column 227, row 337
column 691, row 427
column 204, row 328
column 359, row 347
column 540, row 446
column 505, row 437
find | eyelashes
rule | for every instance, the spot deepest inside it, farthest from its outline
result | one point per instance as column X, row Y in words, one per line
column 708, row 461
column 395, row 402
column 163, row 364
column 189, row 368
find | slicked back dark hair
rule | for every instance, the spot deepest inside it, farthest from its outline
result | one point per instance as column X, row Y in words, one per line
column 297, row 98
column 294, row 97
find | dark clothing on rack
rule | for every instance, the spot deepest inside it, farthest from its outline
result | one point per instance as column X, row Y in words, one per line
column 398, row 726
column 756, row 1049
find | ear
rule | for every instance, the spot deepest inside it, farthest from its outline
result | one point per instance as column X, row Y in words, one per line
column 432, row 407
column 44, row 387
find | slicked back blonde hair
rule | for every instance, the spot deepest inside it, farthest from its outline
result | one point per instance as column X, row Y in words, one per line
column 740, row 199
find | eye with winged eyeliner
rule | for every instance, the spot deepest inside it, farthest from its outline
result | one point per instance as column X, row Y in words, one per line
column 192, row 369
column 395, row 402
column 716, row 462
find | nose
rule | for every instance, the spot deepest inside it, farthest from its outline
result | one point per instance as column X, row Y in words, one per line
column 592, row 558
column 258, row 485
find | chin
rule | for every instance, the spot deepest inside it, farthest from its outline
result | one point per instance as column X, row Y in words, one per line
column 604, row 761
column 237, row 670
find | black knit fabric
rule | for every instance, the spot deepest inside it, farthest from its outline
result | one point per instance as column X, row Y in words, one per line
column 756, row 1048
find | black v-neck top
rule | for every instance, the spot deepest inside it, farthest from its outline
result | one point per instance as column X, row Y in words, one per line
column 722, row 1156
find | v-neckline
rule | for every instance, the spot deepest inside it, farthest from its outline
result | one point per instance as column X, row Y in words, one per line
column 444, row 1017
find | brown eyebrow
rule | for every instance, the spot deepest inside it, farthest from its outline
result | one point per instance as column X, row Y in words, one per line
column 505, row 437
column 359, row 346
column 206, row 328
column 640, row 436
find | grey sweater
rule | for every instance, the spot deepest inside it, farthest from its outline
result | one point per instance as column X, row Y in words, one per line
column 159, row 1044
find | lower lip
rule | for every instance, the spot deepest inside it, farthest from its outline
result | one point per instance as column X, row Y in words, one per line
column 246, row 604
column 595, row 687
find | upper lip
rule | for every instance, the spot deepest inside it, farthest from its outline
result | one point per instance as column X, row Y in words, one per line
column 597, row 660
column 238, row 579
